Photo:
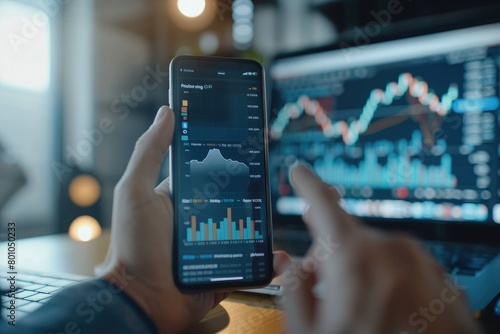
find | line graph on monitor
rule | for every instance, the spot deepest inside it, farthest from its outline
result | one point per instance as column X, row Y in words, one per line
column 425, row 102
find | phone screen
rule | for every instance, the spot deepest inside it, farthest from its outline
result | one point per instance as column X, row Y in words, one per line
column 222, row 234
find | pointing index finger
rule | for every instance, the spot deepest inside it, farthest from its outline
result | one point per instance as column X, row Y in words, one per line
column 325, row 216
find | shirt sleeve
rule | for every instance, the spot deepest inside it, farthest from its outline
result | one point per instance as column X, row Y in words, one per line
column 94, row 306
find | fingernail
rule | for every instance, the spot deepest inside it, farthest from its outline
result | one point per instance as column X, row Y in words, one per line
column 290, row 172
column 160, row 114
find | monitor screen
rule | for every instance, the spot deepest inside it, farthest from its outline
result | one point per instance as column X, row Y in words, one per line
column 406, row 129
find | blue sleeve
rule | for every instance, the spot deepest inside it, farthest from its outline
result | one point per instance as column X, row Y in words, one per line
column 95, row 306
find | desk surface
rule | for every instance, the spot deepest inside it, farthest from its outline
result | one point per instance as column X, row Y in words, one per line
column 239, row 313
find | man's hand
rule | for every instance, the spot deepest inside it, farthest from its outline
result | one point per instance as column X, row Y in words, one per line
column 141, row 237
column 375, row 282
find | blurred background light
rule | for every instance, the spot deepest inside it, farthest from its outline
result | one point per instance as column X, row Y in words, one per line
column 191, row 8
column 192, row 15
column 84, row 190
column 84, row 228
column 209, row 42
column 243, row 28
column 243, row 9
column 243, row 32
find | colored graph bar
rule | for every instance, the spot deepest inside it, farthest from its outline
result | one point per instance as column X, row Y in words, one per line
column 226, row 229
column 248, row 228
column 240, row 229
column 228, row 222
column 210, row 229
column 193, row 227
column 252, row 230
column 223, row 230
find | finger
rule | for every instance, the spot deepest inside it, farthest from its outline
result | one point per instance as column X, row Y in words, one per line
column 298, row 298
column 219, row 296
column 280, row 262
column 144, row 165
column 324, row 214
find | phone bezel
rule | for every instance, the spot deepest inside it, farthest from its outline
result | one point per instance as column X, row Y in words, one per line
column 224, row 285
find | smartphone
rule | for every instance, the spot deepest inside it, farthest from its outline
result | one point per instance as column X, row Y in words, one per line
column 219, row 174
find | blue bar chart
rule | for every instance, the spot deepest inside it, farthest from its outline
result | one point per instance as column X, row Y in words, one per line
column 226, row 229
column 399, row 169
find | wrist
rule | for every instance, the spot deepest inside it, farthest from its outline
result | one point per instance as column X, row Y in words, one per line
column 128, row 284
column 151, row 302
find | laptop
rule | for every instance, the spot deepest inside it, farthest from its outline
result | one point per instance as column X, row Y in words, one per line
column 408, row 129
column 29, row 290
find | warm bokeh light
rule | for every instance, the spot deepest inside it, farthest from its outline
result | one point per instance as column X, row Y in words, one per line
column 192, row 15
column 84, row 228
column 191, row 8
column 84, row 190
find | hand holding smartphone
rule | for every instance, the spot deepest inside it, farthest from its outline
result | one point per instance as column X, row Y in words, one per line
column 218, row 163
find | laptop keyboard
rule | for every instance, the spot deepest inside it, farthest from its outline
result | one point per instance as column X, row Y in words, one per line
column 33, row 289
column 457, row 259
column 462, row 259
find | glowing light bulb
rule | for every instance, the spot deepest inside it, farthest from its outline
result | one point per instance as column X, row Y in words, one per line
column 84, row 228
column 191, row 8
column 85, row 233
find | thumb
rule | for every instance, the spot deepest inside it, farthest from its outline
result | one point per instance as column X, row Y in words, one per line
column 281, row 261
column 144, row 165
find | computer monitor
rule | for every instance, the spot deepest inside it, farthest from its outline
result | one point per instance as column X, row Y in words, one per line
column 407, row 129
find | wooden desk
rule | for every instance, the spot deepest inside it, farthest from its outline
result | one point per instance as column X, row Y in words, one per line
column 239, row 313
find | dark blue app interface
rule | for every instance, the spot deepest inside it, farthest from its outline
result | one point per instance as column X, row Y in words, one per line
column 221, row 193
